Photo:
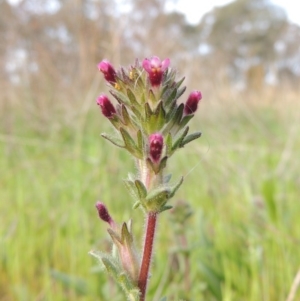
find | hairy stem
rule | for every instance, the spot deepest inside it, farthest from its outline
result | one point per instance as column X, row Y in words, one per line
column 147, row 254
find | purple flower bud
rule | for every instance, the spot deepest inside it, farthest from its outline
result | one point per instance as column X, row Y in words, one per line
column 108, row 70
column 107, row 108
column 155, row 69
column 191, row 104
column 103, row 214
column 156, row 142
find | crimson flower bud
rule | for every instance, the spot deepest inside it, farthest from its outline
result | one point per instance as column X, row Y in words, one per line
column 191, row 104
column 108, row 70
column 107, row 108
column 156, row 142
column 155, row 68
column 103, row 213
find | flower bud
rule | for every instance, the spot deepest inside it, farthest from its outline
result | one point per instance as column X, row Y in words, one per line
column 191, row 104
column 156, row 142
column 108, row 70
column 103, row 213
column 107, row 108
column 155, row 69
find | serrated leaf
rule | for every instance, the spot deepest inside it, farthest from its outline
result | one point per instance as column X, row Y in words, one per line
column 141, row 189
column 114, row 140
column 190, row 138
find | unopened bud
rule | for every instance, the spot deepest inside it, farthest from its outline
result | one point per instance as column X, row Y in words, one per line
column 108, row 71
column 103, row 213
column 156, row 142
column 107, row 108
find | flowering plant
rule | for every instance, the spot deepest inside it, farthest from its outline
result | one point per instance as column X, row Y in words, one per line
column 151, row 125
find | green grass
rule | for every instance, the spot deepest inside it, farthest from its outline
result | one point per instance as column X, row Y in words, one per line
column 242, row 184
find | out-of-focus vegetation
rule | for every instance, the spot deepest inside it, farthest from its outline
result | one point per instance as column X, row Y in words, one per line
column 242, row 177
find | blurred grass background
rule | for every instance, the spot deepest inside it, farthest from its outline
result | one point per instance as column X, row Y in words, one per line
column 242, row 180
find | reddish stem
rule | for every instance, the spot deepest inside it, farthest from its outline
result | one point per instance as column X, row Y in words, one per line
column 147, row 254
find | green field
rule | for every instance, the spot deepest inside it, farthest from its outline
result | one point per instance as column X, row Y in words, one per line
column 242, row 184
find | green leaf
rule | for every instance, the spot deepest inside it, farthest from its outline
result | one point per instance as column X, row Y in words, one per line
column 175, row 187
column 132, row 98
column 142, row 191
column 162, row 163
column 152, row 97
column 178, row 142
column 120, row 97
column 190, row 138
column 126, row 235
column 174, row 120
column 131, row 188
column 180, row 92
column 137, row 112
column 168, row 143
column 184, row 121
column 110, row 267
column 130, row 144
column 140, row 139
column 160, row 116
column 125, row 115
column 178, row 84
column 164, row 208
column 114, row 140
column 156, row 199
column 170, row 98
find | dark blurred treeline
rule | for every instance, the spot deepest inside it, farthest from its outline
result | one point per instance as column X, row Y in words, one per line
column 50, row 48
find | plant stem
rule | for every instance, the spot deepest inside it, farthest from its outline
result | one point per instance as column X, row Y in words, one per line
column 147, row 254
